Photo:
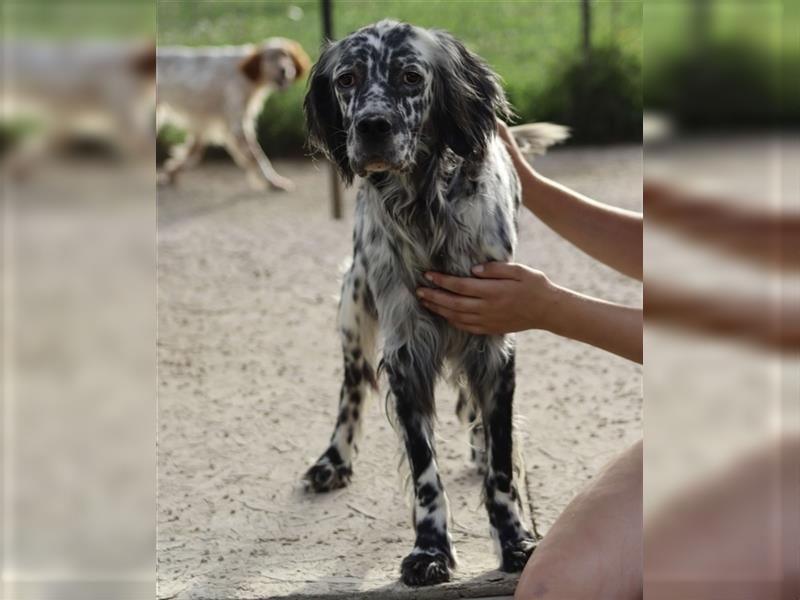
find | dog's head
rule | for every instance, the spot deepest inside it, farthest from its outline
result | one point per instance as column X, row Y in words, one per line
column 278, row 61
column 391, row 95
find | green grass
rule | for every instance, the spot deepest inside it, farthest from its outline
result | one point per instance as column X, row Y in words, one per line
column 530, row 44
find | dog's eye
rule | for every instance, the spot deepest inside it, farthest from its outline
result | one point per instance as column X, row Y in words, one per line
column 412, row 77
column 346, row 80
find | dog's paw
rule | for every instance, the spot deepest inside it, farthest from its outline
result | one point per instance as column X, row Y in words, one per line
column 282, row 184
column 166, row 178
column 425, row 568
column 516, row 554
column 325, row 476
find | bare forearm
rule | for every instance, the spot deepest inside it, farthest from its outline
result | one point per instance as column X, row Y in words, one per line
column 612, row 327
column 766, row 237
column 609, row 234
column 503, row 297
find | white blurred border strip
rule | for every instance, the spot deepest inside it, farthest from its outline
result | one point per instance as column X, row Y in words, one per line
column 36, row 585
column 7, row 476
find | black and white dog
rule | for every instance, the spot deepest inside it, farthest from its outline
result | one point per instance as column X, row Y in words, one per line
column 412, row 112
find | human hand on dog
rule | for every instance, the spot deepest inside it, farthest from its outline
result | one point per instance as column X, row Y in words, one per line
column 506, row 297
column 517, row 157
column 501, row 298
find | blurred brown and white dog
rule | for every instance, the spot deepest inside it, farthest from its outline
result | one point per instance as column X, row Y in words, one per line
column 101, row 88
column 216, row 94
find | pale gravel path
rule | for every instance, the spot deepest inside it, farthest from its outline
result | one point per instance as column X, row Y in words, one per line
column 249, row 370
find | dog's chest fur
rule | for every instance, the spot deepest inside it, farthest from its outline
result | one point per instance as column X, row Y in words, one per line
column 399, row 237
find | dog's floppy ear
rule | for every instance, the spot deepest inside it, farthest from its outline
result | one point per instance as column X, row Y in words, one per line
column 302, row 63
column 324, row 120
column 251, row 65
column 467, row 97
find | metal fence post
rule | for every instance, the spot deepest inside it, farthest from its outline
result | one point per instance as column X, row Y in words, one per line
column 586, row 29
column 336, row 184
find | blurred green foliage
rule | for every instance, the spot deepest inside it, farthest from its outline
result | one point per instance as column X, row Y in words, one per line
column 723, row 64
column 72, row 20
column 600, row 97
column 534, row 46
column 13, row 131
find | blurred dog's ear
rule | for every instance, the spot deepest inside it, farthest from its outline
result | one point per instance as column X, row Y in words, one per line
column 302, row 63
column 467, row 98
column 324, row 119
column 251, row 65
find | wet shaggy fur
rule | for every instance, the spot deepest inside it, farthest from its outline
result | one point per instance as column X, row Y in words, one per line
column 413, row 111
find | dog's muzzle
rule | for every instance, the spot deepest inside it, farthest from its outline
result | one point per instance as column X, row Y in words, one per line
column 375, row 149
column 373, row 130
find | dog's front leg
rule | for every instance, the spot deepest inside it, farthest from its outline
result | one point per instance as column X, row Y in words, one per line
column 493, row 380
column 411, row 374
column 258, row 166
column 358, row 330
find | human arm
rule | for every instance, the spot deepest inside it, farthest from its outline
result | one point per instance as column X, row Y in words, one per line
column 749, row 231
column 608, row 234
column 503, row 297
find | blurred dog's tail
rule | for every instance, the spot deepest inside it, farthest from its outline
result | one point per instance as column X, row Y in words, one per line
column 536, row 138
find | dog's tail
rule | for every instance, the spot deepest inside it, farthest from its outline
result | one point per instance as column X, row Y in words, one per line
column 536, row 138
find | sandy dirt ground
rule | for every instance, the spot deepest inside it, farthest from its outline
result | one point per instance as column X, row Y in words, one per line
column 249, row 373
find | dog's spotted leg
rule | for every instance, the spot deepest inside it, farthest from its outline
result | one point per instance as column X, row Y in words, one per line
column 357, row 326
column 503, row 502
column 469, row 414
column 493, row 382
column 411, row 382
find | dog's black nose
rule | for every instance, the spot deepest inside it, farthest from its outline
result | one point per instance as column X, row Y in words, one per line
column 373, row 128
